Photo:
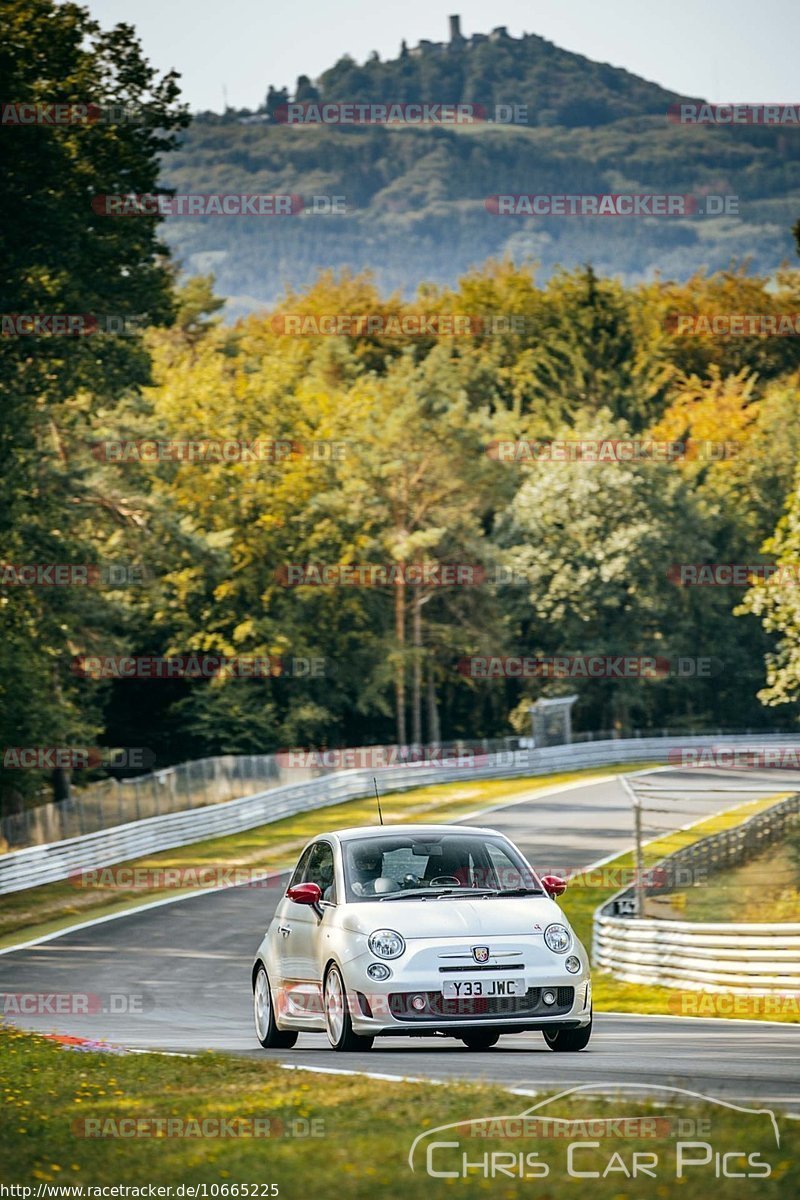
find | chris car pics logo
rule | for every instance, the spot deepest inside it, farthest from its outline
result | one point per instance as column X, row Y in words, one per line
column 674, row 1137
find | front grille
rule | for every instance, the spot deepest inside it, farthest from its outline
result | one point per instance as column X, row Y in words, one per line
column 439, row 1007
column 473, row 968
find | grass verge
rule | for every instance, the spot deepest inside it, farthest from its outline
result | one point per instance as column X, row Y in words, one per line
column 345, row 1136
column 587, row 891
column 767, row 888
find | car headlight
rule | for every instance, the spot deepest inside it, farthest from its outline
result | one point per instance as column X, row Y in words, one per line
column 385, row 943
column 573, row 964
column 557, row 938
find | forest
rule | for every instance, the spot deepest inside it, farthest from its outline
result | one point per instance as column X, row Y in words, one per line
column 306, row 527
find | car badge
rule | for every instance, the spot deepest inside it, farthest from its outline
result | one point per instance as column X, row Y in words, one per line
column 480, row 953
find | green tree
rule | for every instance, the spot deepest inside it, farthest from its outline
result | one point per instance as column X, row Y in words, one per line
column 61, row 256
column 594, row 543
column 776, row 602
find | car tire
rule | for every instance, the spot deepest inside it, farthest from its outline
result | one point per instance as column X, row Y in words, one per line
column 267, row 1032
column 338, row 1024
column 569, row 1040
column 481, row 1040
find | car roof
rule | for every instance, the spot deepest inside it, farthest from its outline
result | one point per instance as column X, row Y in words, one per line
column 358, row 831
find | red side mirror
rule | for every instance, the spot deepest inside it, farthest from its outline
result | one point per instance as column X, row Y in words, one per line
column 553, row 885
column 305, row 893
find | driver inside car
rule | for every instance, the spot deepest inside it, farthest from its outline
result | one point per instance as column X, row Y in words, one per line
column 367, row 864
column 325, row 879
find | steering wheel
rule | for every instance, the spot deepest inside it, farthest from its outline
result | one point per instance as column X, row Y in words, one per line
column 446, row 879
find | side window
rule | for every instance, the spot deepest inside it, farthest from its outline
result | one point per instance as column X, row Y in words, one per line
column 320, row 869
column 507, row 875
column 299, row 870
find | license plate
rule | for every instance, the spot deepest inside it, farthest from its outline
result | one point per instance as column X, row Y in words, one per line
column 462, row 989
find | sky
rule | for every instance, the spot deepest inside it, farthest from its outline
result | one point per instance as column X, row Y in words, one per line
column 720, row 50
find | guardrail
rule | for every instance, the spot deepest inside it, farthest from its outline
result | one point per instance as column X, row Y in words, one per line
column 204, row 781
column 58, row 860
column 116, row 801
column 710, row 956
column 111, row 802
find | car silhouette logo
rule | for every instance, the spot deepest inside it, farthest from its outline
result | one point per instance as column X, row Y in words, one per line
column 480, row 953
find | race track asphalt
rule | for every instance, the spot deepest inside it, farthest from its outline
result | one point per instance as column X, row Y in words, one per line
column 177, row 977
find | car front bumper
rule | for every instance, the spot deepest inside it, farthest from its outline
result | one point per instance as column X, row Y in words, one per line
column 412, row 1002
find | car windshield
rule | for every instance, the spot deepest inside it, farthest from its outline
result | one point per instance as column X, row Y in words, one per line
column 449, row 864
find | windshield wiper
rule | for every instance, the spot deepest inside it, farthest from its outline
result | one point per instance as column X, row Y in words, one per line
column 436, row 893
column 518, row 891
column 412, row 893
column 465, row 893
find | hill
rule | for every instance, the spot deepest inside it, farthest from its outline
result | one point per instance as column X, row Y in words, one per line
column 416, row 197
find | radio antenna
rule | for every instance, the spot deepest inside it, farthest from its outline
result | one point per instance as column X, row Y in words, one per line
column 378, row 799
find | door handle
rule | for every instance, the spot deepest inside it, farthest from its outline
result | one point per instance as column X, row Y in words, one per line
column 284, row 929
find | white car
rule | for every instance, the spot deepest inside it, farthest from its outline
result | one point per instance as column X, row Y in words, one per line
column 420, row 930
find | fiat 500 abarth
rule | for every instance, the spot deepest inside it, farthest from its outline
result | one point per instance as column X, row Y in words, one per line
column 420, row 930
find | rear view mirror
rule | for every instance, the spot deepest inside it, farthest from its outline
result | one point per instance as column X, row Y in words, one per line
column 553, row 885
column 305, row 893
